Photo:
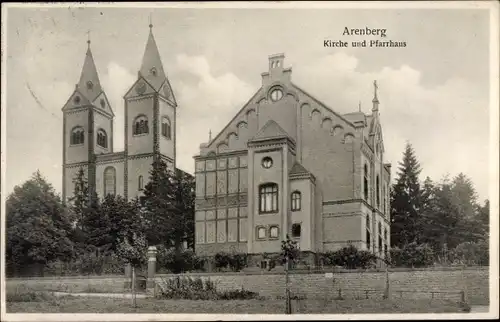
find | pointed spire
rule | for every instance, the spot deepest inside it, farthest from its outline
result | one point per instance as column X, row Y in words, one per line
column 375, row 98
column 152, row 67
column 89, row 84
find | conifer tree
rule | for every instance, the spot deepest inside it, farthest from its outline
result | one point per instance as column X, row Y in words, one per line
column 168, row 204
column 406, row 201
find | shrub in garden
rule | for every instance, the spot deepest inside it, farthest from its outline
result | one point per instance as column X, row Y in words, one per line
column 412, row 255
column 233, row 261
column 349, row 257
column 196, row 289
column 178, row 262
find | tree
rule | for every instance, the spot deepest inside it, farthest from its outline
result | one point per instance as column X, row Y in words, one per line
column 133, row 250
column 111, row 221
column 79, row 202
column 37, row 225
column 406, row 201
column 168, row 205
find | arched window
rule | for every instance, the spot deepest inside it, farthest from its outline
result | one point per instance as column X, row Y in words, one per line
column 384, row 200
column 380, row 237
column 102, row 138
column 378, row 192
column 368, row 236
column 296, row 200
column 365, row 182
column 166, row 128
column 77, row 136
column 141, row 183
column 268, row 198
column 141, row 125
column 109, row 181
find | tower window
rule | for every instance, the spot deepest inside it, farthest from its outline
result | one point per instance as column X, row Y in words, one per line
column 296, row 200
column 102, row 139
column 296, row 230
column 267, row 162
column 77, row 136
column 90, row 85
column 268, row 197
column 141, row 125
column 365, row 182
column 153, row 71
column 110, row 181
column 141, row 183
column 166, row 128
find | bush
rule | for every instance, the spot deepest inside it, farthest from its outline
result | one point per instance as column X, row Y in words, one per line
column 471, row 253
column 412, row 255
column 178, row 262
column 233, row 261
column 188, row 288
column 88, row 263
column 349, row 257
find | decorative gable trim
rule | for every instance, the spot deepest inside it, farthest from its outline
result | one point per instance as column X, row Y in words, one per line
column 211, row 144
column 323, row 105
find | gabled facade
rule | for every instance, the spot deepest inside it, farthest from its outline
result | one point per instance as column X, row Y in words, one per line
column 150, row 129
column 288, row 164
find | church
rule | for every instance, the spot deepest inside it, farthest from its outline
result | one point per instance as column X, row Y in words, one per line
column 150, row 122
column 287, row 164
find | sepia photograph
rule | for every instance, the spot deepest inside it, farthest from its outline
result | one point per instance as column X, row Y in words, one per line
column 242, row 161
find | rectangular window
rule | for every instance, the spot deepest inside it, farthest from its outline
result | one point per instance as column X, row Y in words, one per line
column 268, row 198
column 296, row 201
column 261, row 232
column 274, row 232
column 296, row 230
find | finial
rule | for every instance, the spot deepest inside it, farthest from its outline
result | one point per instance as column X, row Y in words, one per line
column 209, row 135
column 359, row 106
column 375, row 88
column 88, row 38
column 150, row 21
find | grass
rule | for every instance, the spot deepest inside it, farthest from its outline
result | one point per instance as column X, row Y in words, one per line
column 70, row 304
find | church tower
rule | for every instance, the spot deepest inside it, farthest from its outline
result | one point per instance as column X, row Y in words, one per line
column 87, row 127
column 150, row 120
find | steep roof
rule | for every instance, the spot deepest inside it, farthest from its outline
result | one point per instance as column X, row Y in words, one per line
column 270, row 130
column 298, row 168
column 89, row 84
column 152, row 67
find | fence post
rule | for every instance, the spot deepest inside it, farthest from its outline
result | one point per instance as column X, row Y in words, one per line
column 150, row 283
column 387, row 284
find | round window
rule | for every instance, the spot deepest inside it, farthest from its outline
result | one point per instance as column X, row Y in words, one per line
column 267, row 162
column 76, row 100
column 103, row 103
column 276, row 95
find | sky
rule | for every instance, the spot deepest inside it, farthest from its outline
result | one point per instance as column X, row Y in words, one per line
column 434, row 93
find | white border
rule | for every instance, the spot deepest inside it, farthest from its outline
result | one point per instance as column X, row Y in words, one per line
column 494, row 158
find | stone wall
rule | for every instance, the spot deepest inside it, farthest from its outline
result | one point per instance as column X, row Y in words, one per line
column 406, row 283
